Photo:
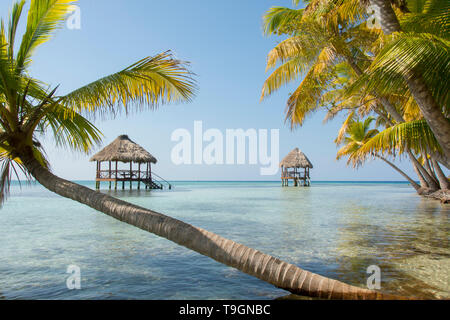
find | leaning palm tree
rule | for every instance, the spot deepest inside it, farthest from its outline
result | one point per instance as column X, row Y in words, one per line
column 28, row 111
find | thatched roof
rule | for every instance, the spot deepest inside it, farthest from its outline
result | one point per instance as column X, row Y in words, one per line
column 296, row 159
column 124, row 150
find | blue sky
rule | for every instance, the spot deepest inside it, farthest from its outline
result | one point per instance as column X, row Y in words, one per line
column 224, row 43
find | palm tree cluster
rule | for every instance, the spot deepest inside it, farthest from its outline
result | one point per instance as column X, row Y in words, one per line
column 389, row 82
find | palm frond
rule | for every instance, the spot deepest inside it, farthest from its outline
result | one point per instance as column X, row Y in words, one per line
column 305, row 47
column 414, row 135
column 16, row 13
column 9, row 168
column 432, row 17
column 306, row 97
column 281, row 20
column 148, row 83
column 284, row 74
column 345, row 125
column 424, row 53
column 71, row 130
column 44, row 18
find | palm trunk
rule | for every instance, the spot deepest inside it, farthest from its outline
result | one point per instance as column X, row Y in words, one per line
column 413, row 183
column 429, row 169
column 443, row 180
column 415, row 163
column 429, row 180
column 440, row 158
column 267, row 268
column 431, row 111
column 423, row 182
column 388, row 20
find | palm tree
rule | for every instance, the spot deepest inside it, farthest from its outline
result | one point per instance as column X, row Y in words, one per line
column 330, row 45
column 354, row 135
column 417, row 54
column 403, row 138
column 28, row 111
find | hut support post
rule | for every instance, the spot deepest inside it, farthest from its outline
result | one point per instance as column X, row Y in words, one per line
column 97, row 183
column 139, row 176
column 115, row 181
column 110, row 175
column 131, row 175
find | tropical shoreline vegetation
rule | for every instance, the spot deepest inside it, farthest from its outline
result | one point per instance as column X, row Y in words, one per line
column 30, row 109
column 390, row 81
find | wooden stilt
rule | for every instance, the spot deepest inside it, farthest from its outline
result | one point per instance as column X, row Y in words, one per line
column 97, row 183
column 131, row 175
column 139, row 176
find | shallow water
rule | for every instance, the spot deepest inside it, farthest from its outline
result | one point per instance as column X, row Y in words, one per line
column 334, row 229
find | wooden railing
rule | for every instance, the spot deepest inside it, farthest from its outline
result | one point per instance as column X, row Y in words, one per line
column 123, row 174
column 298, row 175
column 133, row 175
column 162, row 180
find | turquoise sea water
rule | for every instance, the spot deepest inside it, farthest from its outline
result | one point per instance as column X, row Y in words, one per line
column 336, row 229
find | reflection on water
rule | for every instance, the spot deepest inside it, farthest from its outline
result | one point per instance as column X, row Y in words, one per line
column 334, row 229
column 411, row 250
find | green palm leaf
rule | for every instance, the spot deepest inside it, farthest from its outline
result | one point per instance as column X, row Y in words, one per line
column 284, row 74
column 44, row 18
column 431, row 16
column 71, row 130
column 147, row 83
column 415, row 135
column 12, row 26
column 281, row 20
column 406, row 52
column 306, row 98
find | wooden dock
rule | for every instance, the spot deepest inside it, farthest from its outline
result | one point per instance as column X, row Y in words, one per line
column 297, row 178
column 148, row 179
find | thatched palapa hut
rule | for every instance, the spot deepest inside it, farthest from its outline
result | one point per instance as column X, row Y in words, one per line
column 124, row 150
column 290, row 168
